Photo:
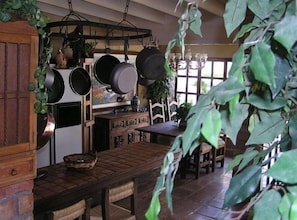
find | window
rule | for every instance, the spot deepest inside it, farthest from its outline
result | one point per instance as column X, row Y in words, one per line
column 191, row 82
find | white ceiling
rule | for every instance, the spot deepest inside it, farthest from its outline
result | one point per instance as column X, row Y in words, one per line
column 158, row 15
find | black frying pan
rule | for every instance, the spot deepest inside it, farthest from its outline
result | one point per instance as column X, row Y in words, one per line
column 150, row 63
column 103, row 68
column 80, row 81
column 56, row 91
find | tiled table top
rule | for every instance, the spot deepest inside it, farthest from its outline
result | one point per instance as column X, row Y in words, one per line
column 62, row 185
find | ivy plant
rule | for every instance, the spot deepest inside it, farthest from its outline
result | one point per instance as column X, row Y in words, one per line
column 12, row 10
column 261, row 89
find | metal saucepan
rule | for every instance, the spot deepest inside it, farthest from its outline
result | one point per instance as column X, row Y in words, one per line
column 45, row 128
column 150, row 63
column 103, row 68
column 80, row 81
column 124, row 76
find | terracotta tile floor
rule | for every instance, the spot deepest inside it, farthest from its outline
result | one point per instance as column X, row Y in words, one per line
column 201, row 199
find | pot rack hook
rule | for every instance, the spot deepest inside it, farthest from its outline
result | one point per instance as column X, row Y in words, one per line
column 126, row 45
column 73, row 13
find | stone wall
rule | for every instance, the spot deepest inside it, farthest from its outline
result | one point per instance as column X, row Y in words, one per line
column 16, row 201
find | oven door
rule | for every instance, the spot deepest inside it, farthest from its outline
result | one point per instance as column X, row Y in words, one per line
column 67, row 114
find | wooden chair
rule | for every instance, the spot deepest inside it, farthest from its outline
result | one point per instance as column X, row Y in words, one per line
column 110, row 209
column 201, row 158
column 157, row 115
column 79, row 210
column 156, row 112
column 218, row 154
column 171, row 106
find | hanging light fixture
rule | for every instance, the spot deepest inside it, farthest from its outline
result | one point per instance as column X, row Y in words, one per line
column 178, row 62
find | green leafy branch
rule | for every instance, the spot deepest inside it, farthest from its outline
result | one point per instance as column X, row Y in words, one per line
column 261, row 90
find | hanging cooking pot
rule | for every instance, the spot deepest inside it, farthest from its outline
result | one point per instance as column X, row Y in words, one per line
column 124, row 76
column 56, row 91
column 49, row 77
column 144, row 81
column 103, row 68
column 150, row 63
column 45, row 128
column 80, row 81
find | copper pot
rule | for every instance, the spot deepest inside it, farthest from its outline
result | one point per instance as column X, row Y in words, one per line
column 45, row 128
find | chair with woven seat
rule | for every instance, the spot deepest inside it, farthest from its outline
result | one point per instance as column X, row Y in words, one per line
column 79, row 210
column 111, row 209
column 201, row 158
column 171, row 106
column 218, row 154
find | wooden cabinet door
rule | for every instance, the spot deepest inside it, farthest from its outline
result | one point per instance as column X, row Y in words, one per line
column 18, row 61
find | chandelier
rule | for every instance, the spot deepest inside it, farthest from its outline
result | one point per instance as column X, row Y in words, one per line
column 189, row 61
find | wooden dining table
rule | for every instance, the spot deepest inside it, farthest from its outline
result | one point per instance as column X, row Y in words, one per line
column 62, row 186
column 170, row 129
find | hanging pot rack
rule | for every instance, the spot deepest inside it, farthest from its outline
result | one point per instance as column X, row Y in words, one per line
column 109, row 31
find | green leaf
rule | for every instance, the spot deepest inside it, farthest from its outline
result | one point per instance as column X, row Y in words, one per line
column 227, row 90
column 292, row 190
column 262, row 64
column 282, row 70
column 284, row 169
column 235, row 12
column 270, row 125
column 243, row 30
column 265, row 102
column 248, row 156
column 286, row 31
column 237, row 64
column 16, row 4
column 291, row 8
column 264, row 211
column 198, row 111
column 195, row 17
column 231, row 123
column 266, row 8
column 242, row 186
column 293, row 130
column 193, row 128
column 154, row 208
column 293, row 210
column 212, row 126
column 253, row 120
column 284, row 206
column 235, row 162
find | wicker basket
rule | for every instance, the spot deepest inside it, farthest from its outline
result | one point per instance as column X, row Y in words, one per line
column 80, row 161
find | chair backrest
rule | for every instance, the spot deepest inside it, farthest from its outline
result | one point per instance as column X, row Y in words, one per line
column 117, row 193
column 156, row 112
column 171, row 106
column 74, row 211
